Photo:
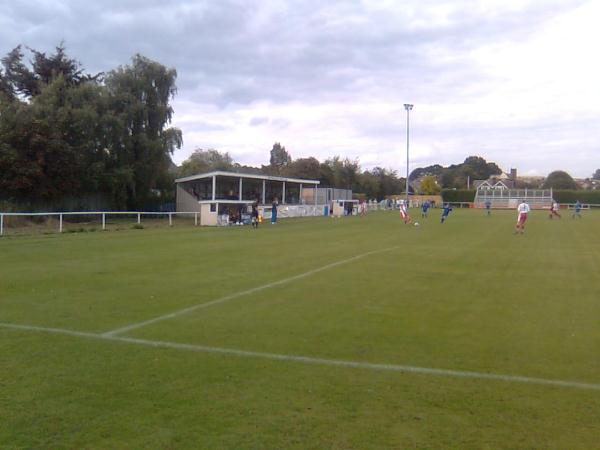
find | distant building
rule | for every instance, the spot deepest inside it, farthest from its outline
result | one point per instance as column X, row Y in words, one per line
column 588, row 184
column 498, row 182
column 219, row 197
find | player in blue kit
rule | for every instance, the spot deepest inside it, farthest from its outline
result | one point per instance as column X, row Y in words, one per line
column 577, row 208
column 424, row 208
column 488, row 207
column 445, row 212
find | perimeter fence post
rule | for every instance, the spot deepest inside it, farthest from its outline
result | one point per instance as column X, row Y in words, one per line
column 170, row 219
column 60, row 226
column 196, row 219
column 139, row 218
column 103, row 221
column 1, row 224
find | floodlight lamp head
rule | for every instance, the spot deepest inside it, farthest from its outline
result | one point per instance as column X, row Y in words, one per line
column 408, row 106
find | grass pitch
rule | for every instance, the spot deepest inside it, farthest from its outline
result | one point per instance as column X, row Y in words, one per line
column 465, row 296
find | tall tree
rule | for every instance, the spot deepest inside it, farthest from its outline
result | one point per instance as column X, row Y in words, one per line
column 388, row 181
column 306, row 168
column 279, row 160
column 29, row 81
column 51, row 137
column 65, row 133
column 345, row 172
column 205, row 161
column 559, row 179
column 435, row 170
column 456, row 175
column 429, row 186
column 6, row 91
column 140, row 100
column 326, row 175
column 369, row 185
column 478, row 168
column 596, row 175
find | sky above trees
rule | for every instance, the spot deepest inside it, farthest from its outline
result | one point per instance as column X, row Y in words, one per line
column 512, row 81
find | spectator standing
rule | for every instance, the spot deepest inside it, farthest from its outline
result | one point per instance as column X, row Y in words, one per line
column 274, row 211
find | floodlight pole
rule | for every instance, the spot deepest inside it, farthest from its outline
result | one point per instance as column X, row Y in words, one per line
column 407, row 107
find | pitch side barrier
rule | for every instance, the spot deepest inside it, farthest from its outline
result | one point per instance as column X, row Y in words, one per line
column 504, row 198
column 583, row 205
column 100, row 214
column 586, row 206
column 539, row 205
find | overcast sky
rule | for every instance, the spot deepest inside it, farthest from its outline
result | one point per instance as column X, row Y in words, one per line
column 517, row 82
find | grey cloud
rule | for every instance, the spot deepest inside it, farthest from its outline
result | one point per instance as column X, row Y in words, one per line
column 200, row 125
column 278, row 123
column 256, row 121
column 246, row 51
column 231, row 52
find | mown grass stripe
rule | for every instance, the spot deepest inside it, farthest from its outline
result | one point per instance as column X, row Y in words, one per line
column 226, row 298
column 312, row 360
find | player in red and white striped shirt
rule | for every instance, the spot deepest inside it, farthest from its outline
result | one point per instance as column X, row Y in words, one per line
column 523, row 209
column 404, row 212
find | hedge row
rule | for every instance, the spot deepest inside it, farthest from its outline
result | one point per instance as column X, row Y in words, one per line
column 458, row 195
column 570, row 196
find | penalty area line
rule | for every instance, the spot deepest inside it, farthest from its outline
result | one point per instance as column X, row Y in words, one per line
column 226, row 298
column 312, row 360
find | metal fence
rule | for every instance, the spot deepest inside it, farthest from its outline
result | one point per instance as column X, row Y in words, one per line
column 101, row 215
column 510, row 198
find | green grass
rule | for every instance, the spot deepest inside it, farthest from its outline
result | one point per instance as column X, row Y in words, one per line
column 468, row 295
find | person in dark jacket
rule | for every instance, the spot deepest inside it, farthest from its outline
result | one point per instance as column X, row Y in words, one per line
column 255, row 214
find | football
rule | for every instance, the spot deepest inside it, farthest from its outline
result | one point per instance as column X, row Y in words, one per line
column 416, row 224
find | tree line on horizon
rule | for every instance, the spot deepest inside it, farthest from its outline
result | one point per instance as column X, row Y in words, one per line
column 345, row 173
column 373, row 183
column 66, row 134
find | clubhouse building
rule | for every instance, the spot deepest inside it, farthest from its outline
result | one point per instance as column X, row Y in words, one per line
column 221, row 197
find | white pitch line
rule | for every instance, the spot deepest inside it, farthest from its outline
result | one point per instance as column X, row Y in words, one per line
column 314, row 361
column 180, row 312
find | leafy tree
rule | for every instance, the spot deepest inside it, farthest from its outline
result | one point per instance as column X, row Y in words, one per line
column 279, row 160
column 18, row 76
column 435, row 170
column 452, row 177
column 326, row 176
column 596, row 175
column 64, row 132
column 305, row 168
column 478, row 168
column 51, row 146
column 388, row 181
column 344, row 172
column 242, row 168
column 429, row 186
column 205, row 161
column 379, row 182
column 456, row 175
column 143, row 141
column 20, row 79
column 369, row 185
column 559, row 180
column 6, row 91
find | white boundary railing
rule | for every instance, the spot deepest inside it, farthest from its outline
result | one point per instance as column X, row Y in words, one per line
column 104, row 214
